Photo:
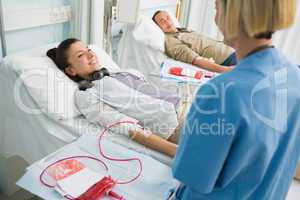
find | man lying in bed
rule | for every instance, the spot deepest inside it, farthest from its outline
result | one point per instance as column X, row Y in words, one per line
column 190, row 47
column 107, row 98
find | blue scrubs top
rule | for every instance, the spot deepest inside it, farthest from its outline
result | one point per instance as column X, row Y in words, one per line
column 241, row 139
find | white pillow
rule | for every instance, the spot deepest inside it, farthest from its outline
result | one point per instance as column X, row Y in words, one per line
column 175, row 20
column 149, row 33
column 51, row 89
column 104, row 59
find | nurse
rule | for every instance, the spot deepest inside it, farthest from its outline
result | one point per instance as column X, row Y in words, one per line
column 241, row 139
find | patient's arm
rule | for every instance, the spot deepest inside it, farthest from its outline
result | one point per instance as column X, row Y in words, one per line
column 96, row 111
column 182, row 52
column 211, row 66
column 154, row 142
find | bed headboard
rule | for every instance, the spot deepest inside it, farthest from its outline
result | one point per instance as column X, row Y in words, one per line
column 128, row 13
column 148, row 8
column 26, row 26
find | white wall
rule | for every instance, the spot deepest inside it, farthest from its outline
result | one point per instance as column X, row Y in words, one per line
column 97, row 22
column 289, row 40
column 148, row 8
column 29, row 38
column 202, row 18
column 87, row 23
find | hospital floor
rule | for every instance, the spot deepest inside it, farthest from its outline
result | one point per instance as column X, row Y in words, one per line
column 293, row 194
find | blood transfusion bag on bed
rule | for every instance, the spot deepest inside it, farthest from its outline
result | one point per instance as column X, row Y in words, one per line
column 76, row 180
column 72, row 177
column 65, row 168
column 180, row 71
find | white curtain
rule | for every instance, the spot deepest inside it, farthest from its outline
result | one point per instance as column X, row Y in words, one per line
column 288, row 40
column 87, row 23
column 184, row 12
column 97, row 22
column 2, row 33
column 202, row 18
column 80, row 24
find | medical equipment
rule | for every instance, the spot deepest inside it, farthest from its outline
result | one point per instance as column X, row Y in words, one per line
column 186, row 73
column 102, row 187
column 97, row 75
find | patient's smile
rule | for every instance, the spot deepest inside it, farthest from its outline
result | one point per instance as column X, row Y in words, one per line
column 93, row 62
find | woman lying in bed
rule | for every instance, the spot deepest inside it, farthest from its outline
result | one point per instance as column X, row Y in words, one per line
column 107, row 98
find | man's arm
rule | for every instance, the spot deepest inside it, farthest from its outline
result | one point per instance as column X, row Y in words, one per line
column 182, row 52
column 155, row 142
column 209, row 65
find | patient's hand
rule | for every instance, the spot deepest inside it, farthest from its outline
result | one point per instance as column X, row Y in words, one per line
column 228, row 68
column 207, row 64
column 154, row 142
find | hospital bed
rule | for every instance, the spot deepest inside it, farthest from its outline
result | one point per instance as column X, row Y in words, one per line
column 26, row 134
column 142, row 54
column 141, row 47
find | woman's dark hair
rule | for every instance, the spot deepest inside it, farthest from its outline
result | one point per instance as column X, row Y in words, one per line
column 59, row 55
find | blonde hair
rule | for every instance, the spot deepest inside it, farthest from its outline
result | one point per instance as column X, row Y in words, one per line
column 256, row 17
